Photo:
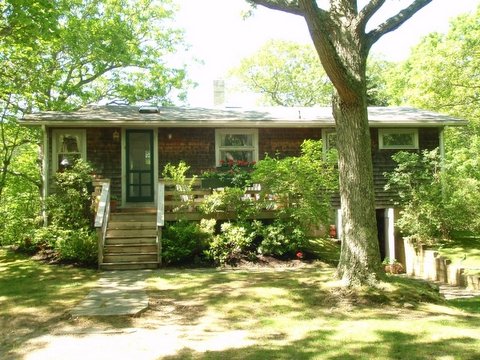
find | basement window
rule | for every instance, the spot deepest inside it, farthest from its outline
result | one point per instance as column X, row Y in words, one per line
column 236, row 146
column 398, row 138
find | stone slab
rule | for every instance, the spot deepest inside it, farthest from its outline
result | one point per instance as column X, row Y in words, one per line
column 117, row 293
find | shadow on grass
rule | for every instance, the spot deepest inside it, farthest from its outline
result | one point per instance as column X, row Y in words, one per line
column 470, row 305
column 304, row 293
column 324, row 345
column 35, row 296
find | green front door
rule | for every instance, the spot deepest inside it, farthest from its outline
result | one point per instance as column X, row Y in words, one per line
column 140, row 158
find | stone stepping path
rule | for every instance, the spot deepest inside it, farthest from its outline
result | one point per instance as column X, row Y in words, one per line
column 454, row 292
column 117, row 293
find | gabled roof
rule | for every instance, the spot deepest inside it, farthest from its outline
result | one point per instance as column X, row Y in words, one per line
column 121, row 115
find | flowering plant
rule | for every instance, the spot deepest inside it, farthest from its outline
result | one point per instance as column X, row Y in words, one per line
column 241, row 163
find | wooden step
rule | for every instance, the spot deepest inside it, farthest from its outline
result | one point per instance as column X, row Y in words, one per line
column 129, row 233
column 129, row 266
column 115, row 225
column 136, row 210
column 130, row 248
column 133, row 217
column 131, row 240
column 130, row 257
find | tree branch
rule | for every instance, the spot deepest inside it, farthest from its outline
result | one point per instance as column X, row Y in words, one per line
column 291, row 7
column 368, row 11
column 396, row 21
column 35, row 182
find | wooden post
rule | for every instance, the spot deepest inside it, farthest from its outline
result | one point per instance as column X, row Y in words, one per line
column 160, row 219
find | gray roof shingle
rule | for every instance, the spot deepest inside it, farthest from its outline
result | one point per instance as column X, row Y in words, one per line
column 121, row 115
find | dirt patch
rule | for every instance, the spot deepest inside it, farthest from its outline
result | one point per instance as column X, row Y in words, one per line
column 270, row 262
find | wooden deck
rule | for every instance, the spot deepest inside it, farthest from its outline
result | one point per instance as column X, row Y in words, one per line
column 184, row 202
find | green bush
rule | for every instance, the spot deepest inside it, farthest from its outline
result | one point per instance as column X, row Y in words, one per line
column 438, row 197
column 232, row 201
column 280, row 238
column 231, row 174
column 70, row 233
column 300, row 186
column 79, row 245
column 231, row 244
column 71, row 205
column 185, row 241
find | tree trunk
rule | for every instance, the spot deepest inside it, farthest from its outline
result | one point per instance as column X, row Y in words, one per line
column 360, row 255
column 342, row 44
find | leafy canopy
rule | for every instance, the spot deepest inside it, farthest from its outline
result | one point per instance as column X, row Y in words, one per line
column 290, row 74
column 83, row 51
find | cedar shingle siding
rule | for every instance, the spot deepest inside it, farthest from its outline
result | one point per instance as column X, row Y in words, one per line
column 382, row 162
column 197, row 148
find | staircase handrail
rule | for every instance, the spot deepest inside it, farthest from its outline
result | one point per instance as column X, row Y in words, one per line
column 101, row 219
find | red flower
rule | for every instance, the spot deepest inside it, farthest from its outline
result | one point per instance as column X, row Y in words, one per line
column 299, row 255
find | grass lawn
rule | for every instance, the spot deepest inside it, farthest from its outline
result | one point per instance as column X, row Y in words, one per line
column 34, row 295
column 286, row 313
column 304, row 314
column 463, row 249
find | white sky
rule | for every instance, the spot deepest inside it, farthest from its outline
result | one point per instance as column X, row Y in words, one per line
column 220, row 37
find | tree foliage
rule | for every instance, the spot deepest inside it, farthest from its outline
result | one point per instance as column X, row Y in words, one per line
column 62, row 55
column 442, row 72
column 289, row 74
column 87, row 50
column 286, row 74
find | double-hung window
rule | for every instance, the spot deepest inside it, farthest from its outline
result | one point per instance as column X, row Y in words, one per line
column 329, row 139
column 68, row 146
column 398, row 138
column 236, row 146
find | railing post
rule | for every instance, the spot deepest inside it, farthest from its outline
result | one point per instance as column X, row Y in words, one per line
column 160, row 219
column 101, row 219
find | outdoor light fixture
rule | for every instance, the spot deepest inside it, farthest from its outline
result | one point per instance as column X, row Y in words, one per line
column 116, row 136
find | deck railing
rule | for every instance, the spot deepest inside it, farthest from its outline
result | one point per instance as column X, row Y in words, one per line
column 184, row 201
column 101, row 219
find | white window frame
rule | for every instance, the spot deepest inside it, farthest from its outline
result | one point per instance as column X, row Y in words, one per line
column 218, row 140
column 383, row 132
column 326, row 133
column 56, row 133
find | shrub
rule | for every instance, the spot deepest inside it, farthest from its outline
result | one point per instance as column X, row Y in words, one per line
column 301, row 186
column 71, row 205
column 79, row 245
column 231, row 174
column 418, row 181
column 185, row 241
column 231, row 244
column 70, row 232
column 230, row 200
column 280, row 238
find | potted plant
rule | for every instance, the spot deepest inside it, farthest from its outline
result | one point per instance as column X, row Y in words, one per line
column 114, row 200
column 392, row 266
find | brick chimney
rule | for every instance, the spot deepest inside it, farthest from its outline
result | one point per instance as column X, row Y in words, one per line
column 218, row 92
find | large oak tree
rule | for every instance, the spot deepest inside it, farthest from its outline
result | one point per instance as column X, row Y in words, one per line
column 340, row 36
